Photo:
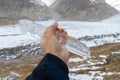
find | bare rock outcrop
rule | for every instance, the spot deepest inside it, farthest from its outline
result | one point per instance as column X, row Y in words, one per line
column 114, row 57
column 83, row 10
column 76, row 10
column 22, row 9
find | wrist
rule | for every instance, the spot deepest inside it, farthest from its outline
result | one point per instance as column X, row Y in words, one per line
column 60, row 56
column 62, row 53
column 55, row 61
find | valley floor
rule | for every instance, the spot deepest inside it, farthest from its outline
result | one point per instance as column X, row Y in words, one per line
column 103, row 65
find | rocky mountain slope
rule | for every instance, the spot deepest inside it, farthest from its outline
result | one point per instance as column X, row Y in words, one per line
column 83, row 10
column 13, row 10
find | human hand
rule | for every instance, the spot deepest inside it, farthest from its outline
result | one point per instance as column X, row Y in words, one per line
column 53, row 41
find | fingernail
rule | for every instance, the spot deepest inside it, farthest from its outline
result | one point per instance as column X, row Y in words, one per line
column 55, row 24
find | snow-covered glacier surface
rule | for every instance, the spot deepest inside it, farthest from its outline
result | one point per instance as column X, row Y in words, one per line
column 90, row 33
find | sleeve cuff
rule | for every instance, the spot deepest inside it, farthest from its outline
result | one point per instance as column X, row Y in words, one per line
column 55, row 61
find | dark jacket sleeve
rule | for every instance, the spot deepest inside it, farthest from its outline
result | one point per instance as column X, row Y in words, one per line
column 50, row 68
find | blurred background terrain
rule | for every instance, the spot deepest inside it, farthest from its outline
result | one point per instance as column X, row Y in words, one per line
column 94, row 22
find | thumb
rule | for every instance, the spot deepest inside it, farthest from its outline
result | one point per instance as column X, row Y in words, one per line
column 53, row 28
column 50, row 31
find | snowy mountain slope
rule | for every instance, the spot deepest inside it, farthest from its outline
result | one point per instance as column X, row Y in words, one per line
column 114, row 19
column 49, row 2
column 82, row 10
column 114, row 3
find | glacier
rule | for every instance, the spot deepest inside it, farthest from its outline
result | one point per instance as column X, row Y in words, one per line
column 90, row 33
column 11, row 36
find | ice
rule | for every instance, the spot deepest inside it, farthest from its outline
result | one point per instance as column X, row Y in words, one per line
column 73, row 45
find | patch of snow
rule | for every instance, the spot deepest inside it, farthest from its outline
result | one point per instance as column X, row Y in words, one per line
column 37, row 2
column 91, row 63
column 14, row 41
column 80, row 77
column 114, row 3
column 48, row 2
column 11, row 76
column 115, row 52
column 9, row 30
column 101, row 41
column 74, row 69
column 91, row 76
column 93, row 73
column 43, row 2
column 75, row 60
column 103, row 56
column 91, row 68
